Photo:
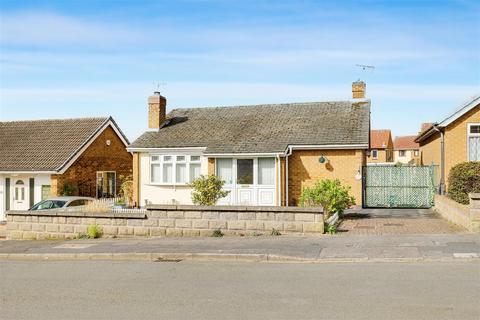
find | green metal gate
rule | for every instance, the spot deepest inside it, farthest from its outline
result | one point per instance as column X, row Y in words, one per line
column 399, row 186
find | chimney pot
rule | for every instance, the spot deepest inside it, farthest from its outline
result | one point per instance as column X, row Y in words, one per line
column 358, row 89
column 157, row 105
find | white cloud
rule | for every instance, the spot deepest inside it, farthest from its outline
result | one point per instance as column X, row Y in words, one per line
column 47, row 29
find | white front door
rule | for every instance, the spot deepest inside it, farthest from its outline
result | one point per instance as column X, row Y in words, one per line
column 20, row 195
column 250, row 181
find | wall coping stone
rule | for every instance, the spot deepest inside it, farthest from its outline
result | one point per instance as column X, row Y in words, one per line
column 474, row 196
column 153, row 207
column 55, row 213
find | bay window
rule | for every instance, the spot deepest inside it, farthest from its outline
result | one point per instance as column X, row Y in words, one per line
column 174, row 169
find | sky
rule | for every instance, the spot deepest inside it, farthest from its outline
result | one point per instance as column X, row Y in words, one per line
column 66, row 59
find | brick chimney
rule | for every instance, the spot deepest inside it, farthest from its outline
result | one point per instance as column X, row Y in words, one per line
column 358, row 89
column 157, row 105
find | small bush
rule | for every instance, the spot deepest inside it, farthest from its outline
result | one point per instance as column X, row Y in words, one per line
column 330, row 194
column 217, row 233
column 330, row 228
column 275, row 232
column 207, row 190
column 464, row 178
column 94, row 231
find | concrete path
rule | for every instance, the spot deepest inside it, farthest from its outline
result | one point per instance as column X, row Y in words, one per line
column 232, row 290
column 281, row 248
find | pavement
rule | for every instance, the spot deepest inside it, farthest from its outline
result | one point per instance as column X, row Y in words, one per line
column 313, row 249
column 235, row 290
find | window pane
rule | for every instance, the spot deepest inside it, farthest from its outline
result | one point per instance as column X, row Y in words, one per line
column 474, row 149
column 475, row 129
column 194, row 158
column 194, row 171
column 155, row 173
column 167, row 172
column 181, row 173
column 245, row 171
column 167, row 158
column 155, row 158
column 266, row 171
column 224, row 170
column 180, row 158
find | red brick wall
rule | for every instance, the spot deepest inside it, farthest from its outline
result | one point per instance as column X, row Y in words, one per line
column 97, row 157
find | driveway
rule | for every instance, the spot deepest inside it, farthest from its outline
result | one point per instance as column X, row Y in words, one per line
column 373, row 221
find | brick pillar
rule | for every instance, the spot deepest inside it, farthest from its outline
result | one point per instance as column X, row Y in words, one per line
column 474, row 212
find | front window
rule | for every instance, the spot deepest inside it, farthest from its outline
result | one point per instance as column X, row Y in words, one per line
column 401, row 153
column 106, row 184
column 266, row 171
column 416, row 153
column 245, row 171
column 259, row 171
column 170, row 169
column 474, row 142
column 225, row 170
column 374, row 154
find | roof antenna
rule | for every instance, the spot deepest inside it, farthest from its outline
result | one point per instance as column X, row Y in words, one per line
column 157, row 85
column 365, row 67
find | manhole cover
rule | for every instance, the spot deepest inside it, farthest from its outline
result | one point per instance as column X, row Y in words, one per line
column 393, row 224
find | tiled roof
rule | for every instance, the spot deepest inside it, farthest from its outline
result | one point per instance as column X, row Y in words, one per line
column 379, row 139
column 44, row 145
column 406, row 143
column 262, row 128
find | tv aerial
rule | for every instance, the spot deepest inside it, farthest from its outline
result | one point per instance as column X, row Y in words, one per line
column 365, row 67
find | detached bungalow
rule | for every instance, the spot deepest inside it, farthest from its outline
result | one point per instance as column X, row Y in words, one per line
column 43, row 158
column 453, row 140
column 266, row 154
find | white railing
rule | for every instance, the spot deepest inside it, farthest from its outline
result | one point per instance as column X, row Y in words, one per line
column 105, row 205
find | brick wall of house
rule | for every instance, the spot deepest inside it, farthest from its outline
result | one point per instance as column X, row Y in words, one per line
column 456, row 139
column 304, row 169
column 455, row 143
column 381, row 156
column 97, row 157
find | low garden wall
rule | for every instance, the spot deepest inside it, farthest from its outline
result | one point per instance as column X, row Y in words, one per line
column 166, row 220
column 467, row 216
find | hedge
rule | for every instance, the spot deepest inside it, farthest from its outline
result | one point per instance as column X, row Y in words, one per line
column 464, row 178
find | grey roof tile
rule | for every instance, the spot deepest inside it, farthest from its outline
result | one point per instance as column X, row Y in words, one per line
column 262, row 128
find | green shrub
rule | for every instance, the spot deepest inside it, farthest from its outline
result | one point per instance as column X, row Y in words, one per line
column 207, row 190
column 94, row 231
column 217, row 233
column 330, row 194
column 464, row 178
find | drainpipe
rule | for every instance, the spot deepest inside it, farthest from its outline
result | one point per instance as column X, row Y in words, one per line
column 279, row 182
column 288, row 153
column 442, row 160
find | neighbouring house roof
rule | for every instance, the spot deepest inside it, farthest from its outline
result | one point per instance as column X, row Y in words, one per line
column 379, row 138
column 263, row 128
column 405, row 143
column 48, row 145
column 463, row 109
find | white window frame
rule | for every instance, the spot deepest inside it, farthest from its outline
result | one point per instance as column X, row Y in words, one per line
column 469, row 135
column 161, row 161
column 402, row 153
column 374, row 154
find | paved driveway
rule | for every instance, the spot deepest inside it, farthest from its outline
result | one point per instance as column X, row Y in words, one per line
column 395, row 221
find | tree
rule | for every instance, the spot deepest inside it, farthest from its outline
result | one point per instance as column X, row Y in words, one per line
column 207, row 190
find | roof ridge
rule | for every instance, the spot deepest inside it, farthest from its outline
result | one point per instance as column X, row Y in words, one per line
column 58, row 119
column 265, row 105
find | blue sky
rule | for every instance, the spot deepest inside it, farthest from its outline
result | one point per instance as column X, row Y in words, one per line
column 63, row 59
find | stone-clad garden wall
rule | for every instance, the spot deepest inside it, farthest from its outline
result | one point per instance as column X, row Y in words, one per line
column 166, row 220
column 467, row 216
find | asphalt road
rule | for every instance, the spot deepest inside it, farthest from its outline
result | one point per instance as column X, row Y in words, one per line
column 215, row 290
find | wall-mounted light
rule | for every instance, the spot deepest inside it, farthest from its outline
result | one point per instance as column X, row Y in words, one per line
column 323, row 160
column 108, row 142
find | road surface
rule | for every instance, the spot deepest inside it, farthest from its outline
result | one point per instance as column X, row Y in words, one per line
column 216, row 290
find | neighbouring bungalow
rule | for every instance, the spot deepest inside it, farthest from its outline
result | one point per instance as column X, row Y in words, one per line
column 453, row 140
column 381, row 146
column 265, row 154
column 44, row 158
column 406, row 150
